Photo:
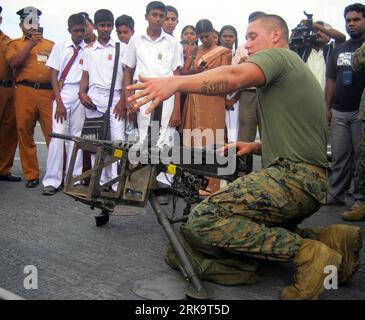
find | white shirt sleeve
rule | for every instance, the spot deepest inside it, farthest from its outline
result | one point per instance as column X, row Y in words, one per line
column 86, row 58
column 130, row 54
column 54, row 59
column 178, row 60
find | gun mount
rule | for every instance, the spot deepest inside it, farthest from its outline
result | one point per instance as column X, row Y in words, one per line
column 136, row 184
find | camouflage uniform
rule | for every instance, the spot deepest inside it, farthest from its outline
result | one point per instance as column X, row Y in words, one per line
column 257, row 215
column 362, row 148
column 359, row 63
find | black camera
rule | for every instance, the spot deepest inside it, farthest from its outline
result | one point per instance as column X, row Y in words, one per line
column 303, row 35
column 40, row 30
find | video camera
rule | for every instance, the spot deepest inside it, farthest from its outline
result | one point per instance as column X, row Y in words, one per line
column 304, row 35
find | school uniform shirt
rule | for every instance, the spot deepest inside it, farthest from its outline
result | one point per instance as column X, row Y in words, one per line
column 61, row 55
column 99, row 63
column 153, row 58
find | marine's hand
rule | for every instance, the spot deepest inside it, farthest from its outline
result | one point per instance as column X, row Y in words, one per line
column 242, row 148
column 151, row 89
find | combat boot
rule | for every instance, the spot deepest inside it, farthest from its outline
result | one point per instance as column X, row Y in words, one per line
column 312, row 259
column 347, row 241
column 355, row 214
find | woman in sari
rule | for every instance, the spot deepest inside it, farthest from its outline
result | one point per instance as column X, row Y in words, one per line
column 206, row 113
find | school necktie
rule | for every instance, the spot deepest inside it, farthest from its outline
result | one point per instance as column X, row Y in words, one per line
column 68, row 67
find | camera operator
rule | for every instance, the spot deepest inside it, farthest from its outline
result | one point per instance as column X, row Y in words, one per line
column 315, row 54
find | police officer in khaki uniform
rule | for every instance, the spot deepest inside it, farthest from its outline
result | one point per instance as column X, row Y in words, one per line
column 8, row 134
column 33, row 94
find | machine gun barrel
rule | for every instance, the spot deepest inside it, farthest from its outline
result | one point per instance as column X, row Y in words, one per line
column 125, row 146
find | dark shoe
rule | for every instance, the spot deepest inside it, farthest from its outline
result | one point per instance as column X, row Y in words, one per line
column 32, row 183
column 49, row 191
column 10, row 177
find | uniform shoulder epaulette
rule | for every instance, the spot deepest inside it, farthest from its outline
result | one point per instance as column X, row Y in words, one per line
column 15, row 40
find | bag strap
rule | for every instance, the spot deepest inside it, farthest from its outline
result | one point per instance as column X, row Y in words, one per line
column 68, row 67
column 111, row 94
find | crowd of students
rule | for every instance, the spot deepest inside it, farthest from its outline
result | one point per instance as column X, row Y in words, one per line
column 61, row 84
column 88, row 76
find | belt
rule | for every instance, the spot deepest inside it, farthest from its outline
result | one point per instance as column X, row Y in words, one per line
column 7, row 83
column 36, row 85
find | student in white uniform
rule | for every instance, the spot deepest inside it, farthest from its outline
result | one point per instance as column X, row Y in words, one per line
column 65, row 61
column 96, row 82
column 155, row 54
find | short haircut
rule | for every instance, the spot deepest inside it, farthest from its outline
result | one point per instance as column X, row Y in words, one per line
column 255, row 15
column 233, row 29
column 275, row 22
column 155, row 5
column 172, row 9
column 87, row 17
column 103, row 15
column 125, row 20
column 76, row 19
column 203, row 26
column 358, row 7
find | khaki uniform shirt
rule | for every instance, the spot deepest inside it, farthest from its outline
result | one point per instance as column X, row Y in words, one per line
column 34, row 68
column 5, row 70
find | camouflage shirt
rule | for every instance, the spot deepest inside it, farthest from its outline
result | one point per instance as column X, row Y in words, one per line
column 358, row 62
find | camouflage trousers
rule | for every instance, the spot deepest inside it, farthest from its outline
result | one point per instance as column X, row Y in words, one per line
column 362, row 160
column 257, row 215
